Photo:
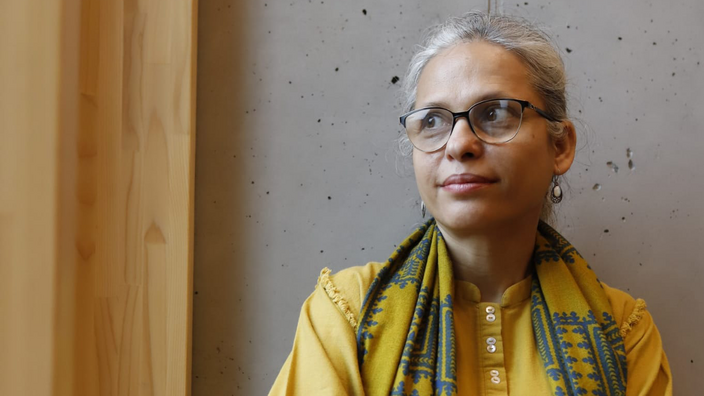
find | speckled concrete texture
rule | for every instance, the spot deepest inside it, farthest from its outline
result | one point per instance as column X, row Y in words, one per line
column 296, row 169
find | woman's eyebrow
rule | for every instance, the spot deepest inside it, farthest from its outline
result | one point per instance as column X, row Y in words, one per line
column 433, row 104
column 483, row 96
column 494, row 95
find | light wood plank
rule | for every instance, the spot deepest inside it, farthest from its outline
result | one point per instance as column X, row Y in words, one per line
column 96, row 233
column 29, row 124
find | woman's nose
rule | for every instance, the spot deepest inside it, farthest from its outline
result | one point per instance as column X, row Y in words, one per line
column 463, row 143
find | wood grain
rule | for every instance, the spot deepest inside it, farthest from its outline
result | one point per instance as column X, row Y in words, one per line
column 96, row 233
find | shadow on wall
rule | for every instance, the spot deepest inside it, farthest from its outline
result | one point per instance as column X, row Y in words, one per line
column 220, row 245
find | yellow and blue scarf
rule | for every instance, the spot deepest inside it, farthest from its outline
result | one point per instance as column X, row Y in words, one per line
column 406, row 337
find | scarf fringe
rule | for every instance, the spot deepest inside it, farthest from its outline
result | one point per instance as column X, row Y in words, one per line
column 633, row 318
column 326, row 283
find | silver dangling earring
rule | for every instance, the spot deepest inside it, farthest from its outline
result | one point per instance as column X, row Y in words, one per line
column 422, row 208
column 556, row 193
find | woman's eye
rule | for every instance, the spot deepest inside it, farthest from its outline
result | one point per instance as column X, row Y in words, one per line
column 433, row 120
column 496, row 114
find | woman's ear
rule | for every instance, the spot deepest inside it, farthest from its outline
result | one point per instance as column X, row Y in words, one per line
column 565, row 148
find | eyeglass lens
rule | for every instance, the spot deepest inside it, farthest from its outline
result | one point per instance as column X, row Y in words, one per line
column 495, row 121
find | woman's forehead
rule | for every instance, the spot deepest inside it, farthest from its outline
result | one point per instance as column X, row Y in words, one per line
column 473, row 71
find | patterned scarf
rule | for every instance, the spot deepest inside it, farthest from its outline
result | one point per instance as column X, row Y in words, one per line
column 406, row 336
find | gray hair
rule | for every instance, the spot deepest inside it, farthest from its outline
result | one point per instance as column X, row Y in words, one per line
column 534, row 47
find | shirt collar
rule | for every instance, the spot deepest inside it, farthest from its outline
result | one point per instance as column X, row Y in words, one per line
column 516, row 293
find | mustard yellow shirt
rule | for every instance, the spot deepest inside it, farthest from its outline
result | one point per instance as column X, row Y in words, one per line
column 496, row 350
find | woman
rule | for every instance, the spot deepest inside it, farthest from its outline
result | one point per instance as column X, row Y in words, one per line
column 484, row 298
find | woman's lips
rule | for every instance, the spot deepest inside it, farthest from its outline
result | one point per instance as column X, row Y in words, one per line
column 465, row 182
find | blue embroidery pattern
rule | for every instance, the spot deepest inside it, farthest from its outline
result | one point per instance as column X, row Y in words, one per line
column 582, row 351
column 560, row 336
column 429, row 350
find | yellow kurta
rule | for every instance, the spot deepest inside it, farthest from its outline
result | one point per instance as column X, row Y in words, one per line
column 496, row 350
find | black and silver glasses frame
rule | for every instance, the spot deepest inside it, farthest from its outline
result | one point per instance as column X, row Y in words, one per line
column 444, row 137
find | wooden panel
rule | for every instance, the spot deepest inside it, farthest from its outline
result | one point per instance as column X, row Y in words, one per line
column 29, row 119
column 142, row 180
column 96, row 231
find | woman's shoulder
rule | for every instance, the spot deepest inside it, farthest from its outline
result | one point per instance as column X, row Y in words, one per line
column 628, row 311
column 648, row 367
column 347, row 288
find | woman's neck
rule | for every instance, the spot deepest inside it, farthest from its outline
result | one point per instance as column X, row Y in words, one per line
column 492, row 259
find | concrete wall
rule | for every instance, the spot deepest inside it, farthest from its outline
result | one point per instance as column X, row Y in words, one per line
column 297, row 114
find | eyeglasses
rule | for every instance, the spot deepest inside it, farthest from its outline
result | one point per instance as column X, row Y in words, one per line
column 492, row 121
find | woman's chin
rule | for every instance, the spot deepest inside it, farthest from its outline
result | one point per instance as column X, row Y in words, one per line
column 465, row 221
column 473, row 220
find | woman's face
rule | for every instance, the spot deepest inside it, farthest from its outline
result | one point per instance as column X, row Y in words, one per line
column 469, row 185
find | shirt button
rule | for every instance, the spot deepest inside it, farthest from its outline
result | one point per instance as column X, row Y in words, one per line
column 494, row 373
column 495, row 380
column 491, row 340
column 491, row 317
column 491, row 348
column 490, row 309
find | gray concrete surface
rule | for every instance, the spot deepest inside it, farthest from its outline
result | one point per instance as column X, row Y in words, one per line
column 297, row 115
